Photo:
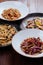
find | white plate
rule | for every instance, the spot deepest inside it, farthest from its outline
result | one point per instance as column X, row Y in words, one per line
column 20, row 36
column 16, row 5
column 24, row 22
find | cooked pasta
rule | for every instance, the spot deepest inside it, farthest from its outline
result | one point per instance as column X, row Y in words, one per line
column 32, row 45
column 11, row 14
column 35, row 23
column 6, row 33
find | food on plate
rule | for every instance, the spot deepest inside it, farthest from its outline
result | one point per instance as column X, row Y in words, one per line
column 11, row 14
column 6, row 33
column 35, row 23
column 32, row 46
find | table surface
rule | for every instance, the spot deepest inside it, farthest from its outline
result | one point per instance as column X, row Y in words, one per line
column 10, row 57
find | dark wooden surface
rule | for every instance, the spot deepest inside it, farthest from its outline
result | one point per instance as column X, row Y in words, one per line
column 9, row 57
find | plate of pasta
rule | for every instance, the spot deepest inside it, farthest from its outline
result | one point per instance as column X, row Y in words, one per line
column 13, row 10
column 29, row 44
column 6, row 33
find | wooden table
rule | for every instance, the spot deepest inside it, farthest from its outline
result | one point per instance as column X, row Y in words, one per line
column 10, row 57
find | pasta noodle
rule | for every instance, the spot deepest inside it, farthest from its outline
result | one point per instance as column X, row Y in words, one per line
column 6, row 33
column 11, row 14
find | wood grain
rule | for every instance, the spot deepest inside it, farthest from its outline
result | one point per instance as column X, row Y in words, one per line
column 9, row 57
column 7, row 0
